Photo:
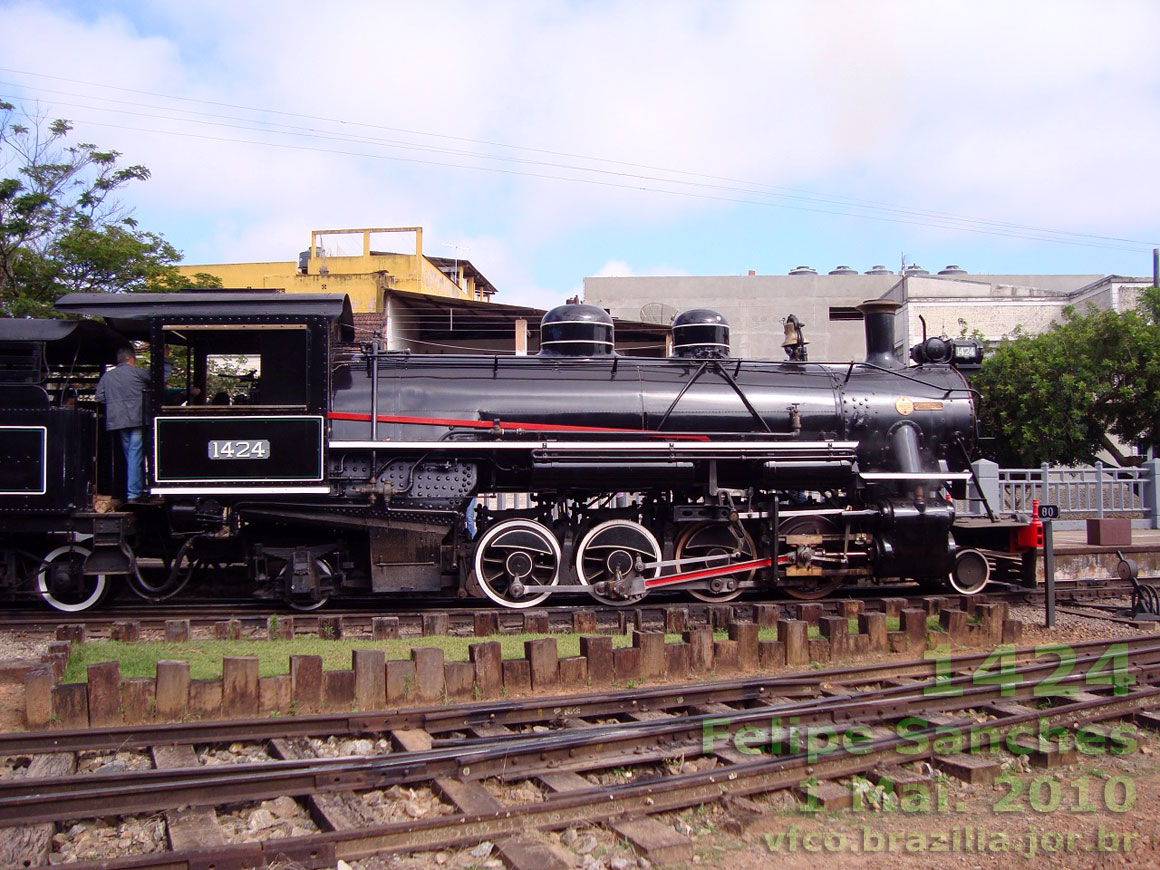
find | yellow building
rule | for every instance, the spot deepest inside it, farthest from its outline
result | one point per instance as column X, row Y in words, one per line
column 415, row 302
column 365, row 278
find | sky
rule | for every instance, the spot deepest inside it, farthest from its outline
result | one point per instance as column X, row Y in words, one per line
column 548, row 141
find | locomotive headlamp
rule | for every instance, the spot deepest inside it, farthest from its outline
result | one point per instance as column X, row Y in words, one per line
column 931, row 351
column 959, row 352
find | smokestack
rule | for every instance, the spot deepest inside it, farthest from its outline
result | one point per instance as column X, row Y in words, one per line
column 878, row 317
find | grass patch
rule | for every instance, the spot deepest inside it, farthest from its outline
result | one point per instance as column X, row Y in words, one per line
column 205, row 657
column 933, row 624
column 816, row 631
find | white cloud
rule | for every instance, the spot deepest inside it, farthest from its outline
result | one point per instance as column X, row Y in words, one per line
column 1042, row 113
column 615, row 269
column 505, row 264
column 621, row 269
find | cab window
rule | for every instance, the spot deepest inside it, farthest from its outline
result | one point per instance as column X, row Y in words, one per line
column 253, row 365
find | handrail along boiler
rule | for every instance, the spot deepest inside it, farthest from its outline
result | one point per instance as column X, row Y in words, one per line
column 348, row 469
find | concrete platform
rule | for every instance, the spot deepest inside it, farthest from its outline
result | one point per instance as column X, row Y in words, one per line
column 1076, row 558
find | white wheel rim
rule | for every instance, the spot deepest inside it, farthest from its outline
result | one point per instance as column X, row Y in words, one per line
column 507, row 526
column 47, row 597
column 970, row 590
column 591, row 535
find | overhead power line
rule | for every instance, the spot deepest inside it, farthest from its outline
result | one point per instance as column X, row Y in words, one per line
column 671, row 182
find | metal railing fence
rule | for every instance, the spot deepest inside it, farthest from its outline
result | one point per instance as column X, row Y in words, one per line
column 1083, row 492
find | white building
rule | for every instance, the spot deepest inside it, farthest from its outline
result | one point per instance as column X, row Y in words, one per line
column 950, row 302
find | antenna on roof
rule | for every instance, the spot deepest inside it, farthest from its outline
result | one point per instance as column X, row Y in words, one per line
column 455, row 268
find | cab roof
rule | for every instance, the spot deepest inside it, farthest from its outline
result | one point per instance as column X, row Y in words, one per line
column 65, row 341
column 130, row 313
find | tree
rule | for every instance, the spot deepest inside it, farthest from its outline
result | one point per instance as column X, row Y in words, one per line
column 62, row 230
column 1057, row 396
column 231, row 374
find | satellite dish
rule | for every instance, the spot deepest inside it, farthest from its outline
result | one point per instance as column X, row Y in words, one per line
column 657, row 312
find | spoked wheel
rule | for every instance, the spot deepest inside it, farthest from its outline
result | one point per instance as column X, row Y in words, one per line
column 807, row 587
column 725, row 544
column 515, row 556
column 609, row 552
column 62, row 584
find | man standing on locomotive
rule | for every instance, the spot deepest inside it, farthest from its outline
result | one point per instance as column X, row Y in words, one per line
column 121, row 389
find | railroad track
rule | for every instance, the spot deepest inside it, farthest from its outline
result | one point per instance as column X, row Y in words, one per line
column 459, row 619
column 844, row 722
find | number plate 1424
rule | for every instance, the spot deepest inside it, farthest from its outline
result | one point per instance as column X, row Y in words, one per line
column 239, row 449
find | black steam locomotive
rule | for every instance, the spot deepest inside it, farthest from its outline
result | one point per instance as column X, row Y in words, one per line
column 344, row 469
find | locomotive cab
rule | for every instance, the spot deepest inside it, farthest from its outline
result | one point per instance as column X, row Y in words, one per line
column 258, row 430
column 225, row 445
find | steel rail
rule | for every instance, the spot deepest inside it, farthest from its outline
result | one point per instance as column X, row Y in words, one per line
column 29, row 801
column 620, row 802
column 688, row 789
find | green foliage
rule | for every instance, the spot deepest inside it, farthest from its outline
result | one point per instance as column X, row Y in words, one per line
column 172, row 280
column 1053, row 397
column 229, row 374
column 62, row 230
column 1036, row 401
column 205, row 656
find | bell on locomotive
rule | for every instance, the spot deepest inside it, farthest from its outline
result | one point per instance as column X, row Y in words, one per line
column 795, row 341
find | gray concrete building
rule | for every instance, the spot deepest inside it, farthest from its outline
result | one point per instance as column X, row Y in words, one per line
column 950, row 302
column 995, row 305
